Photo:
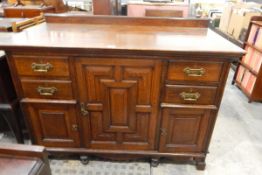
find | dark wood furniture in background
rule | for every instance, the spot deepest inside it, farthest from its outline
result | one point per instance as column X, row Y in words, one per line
column 19, row 2
column 248, row 75
column 24, row 160
column 6, row 23
column 27, row 11
column 58, row 5
column 124, row 87
column 9, row 103
column 107, row 7
column 1, row 11
column 164, row 13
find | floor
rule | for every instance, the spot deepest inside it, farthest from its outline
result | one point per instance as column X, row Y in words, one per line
column 236, row 146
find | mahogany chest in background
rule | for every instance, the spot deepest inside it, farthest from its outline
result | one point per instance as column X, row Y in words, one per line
column 27, row 11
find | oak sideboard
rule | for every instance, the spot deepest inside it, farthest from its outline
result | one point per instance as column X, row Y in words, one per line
column 121, row 87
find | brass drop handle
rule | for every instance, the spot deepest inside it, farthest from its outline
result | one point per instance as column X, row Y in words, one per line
column 46, row 91
column 194, row 72
column 75, row 127
column 84, row 111
column 190, row 96
column 38, row 67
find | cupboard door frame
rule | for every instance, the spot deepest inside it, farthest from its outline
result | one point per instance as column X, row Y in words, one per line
column 178, row 135
column 135, row 82
column 44, row 133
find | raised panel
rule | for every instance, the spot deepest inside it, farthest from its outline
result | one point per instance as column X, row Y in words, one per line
column 119, row 102
column 51, row 122
column 119, row 109
column 142, row 131
column 183, row 130
column 119, row 96
column 53, row 125
column 91, row 81
column 143, row 76
column 97, row 134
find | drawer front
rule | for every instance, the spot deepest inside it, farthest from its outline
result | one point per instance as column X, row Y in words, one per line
column 47, row 89
column 194, row 71
column 42, row 66
column 179, row 94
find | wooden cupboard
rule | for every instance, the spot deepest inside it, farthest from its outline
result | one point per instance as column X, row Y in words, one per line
column 183, row 130
column 121, row 92
column 118, row 102
column 54, row 125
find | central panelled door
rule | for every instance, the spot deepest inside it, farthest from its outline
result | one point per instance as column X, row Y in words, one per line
column 119, row 101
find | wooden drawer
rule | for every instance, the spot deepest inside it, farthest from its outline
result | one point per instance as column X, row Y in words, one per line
column 42, row 66
column 179, row 94
column 51, row 89
column 194, row 71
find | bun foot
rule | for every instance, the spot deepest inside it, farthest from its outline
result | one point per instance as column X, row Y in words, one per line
column 200, row 164
column 84, row 160
column 154, row 162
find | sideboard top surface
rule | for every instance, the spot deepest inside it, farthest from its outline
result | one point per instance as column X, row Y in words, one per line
column 164, row 38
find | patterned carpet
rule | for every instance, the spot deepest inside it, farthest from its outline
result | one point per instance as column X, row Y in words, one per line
column 74, row 167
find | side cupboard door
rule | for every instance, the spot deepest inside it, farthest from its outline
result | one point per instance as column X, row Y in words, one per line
column 119, row 102
column 184, row 130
